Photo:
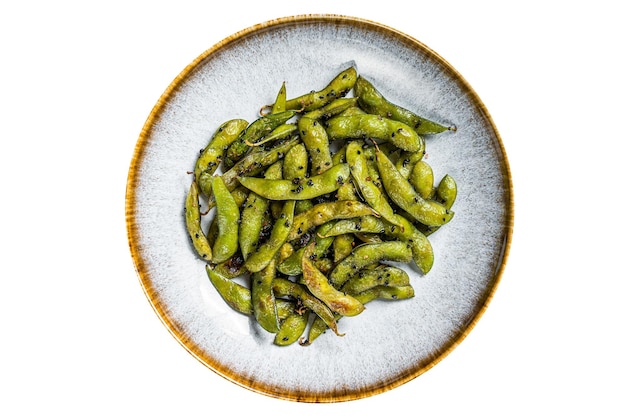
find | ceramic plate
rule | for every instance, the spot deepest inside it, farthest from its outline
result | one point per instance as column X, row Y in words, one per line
column 390, row 343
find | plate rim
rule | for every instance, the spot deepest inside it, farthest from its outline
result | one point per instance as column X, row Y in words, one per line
column 161, row 309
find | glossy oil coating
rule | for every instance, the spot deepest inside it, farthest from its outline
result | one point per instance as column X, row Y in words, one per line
column 389, row 346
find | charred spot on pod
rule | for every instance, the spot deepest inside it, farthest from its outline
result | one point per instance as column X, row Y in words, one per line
column 287, row 223
column 295, row 181
column 310, row 183
column 297, row 189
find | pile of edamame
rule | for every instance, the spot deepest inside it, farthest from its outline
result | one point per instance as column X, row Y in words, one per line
column 316, row 203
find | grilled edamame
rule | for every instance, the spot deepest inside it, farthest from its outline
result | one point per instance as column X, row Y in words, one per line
column 318, row 202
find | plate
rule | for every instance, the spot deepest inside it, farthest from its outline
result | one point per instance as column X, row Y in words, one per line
column 388, row 344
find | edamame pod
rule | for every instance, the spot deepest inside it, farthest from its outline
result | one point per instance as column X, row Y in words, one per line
column 422, row 179
column 293, row 264
column 280, row 103
column 319, row 286
column 192, row 220
column 285, row 288
column 324, row 212
column 295, row 168
column 234, row 294
column 303, row 189
column 362, row 224
column 280, row 231
column 252, row 219
column 338, row 87
column 315, row 138
column 401, row 192
column 375, row 127
column 263, row 301
column 372, row 101
column 283, row 131
column 368, row 254
column 332, row 109
column 291, row 328
column 255, row 163
column 383, row 292
column 211, row 156
column 407, row 160
column 253, row 133
column 369, row 190
column 383, row 275
column 446, row 191
column 423, row 254
column 227, row 215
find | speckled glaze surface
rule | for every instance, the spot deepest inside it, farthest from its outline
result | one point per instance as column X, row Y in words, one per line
column 390, row 343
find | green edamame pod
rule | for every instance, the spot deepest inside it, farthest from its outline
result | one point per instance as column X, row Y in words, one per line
column 255, row 163
column 254, row 214
column 231, row 268
column 285, row 288
column 372, row 126
column 422, row 179
column 369, row 190
column 401, row 192
column 296, row 168
column 211, row 156
column 256, row 131
column 446, row 191
column 234, row 294
column 407, row 160
column 384, row 275
column 342, row 246
column 304, row 189
column 282, row 132
column 227, row 215
column 291, row 328
column 324, row 212
column 319, row 286
column 368, row 254
column 337, row 88
column 352, row 111
column 339, row 157
column 315, row 138
column 296, row 162
column 372, row 101
column 332, row 109
column 252, row 219
column 280, row 231
column 363, row 224
column 423, row 254
column 383, row 292
column 263, row 301
column 293, row 264
column 192, row 220
column 280, row 103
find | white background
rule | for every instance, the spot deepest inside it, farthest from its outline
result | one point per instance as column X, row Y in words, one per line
column 78, row 80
